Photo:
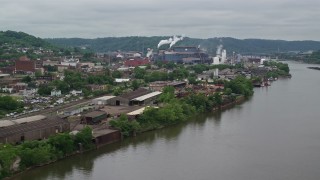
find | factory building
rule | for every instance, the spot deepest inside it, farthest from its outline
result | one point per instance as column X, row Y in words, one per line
column 138, row 97
column 185, row 54
column 94, row 117
column 31, row 128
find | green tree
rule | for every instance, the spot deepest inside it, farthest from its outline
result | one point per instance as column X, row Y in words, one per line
column 135, row 85
column 227, row 91
column 240, row 85
column 8, row 154
column 26, row 79
column 84, row 137
column 88, row 55
column 167, row 94
column 38, row 73
column 62, row 85
column 116, row 74
column 124, row 125
column 67, row 53
column 218, row 98
column 44, row 90
column 7, row 103
column 74, row 80
column 63, row 143
column 192, row 80
column 139, row 73
column 35, row 153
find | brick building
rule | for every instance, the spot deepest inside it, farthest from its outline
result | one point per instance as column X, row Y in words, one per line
column 25, row 65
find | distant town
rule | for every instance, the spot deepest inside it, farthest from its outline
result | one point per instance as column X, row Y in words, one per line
column 46, row 91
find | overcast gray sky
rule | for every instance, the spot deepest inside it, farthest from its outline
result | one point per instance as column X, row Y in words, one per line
column 265, row 19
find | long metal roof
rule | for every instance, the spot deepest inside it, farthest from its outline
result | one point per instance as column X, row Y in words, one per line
column 31, row 126
column 5, row 123
column 29, row 119
column 147, row 96
column 139, row 111
column 104, row 98
column 136, row 112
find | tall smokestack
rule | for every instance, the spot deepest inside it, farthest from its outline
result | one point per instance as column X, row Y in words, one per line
column 223, row 56
column 215, row 60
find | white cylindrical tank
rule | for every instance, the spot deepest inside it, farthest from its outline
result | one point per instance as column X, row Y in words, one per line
column 216, row 60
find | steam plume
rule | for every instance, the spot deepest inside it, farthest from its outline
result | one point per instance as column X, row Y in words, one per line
column 175, row 40
column 165, row 41
column 149, row 52
column 219, row 48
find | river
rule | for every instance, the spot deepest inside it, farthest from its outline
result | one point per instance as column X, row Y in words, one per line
column 274, row 135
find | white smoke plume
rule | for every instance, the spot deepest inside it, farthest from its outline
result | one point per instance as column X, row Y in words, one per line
column 149, row 53
column 165, row 41
column 219, row 48
column 175, row 40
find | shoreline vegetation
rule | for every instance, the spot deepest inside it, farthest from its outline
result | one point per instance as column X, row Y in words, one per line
column 176, row 110
column 171, row 110
column 315, row 68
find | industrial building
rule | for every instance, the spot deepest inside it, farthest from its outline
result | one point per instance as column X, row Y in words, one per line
column 31, row 128
column 94, row 117
column 139, row 97
column 185, row 54
column 25, row 65
column 105, row 136
column 159, row 85
column 125, row 99
column 138, row 61
column 102, row 100
column 147, row 99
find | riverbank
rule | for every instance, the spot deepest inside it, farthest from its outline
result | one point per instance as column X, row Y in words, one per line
column 315, row 68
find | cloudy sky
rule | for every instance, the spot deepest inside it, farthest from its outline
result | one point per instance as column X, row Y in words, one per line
column 266, row 19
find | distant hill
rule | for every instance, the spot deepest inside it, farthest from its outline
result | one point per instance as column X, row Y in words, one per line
column 135, row 43
column 21, row 39
column 16, row 44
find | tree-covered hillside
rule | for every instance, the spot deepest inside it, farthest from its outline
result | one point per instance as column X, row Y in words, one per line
column 135, row 43
column 21, row 39
column 16, row 44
